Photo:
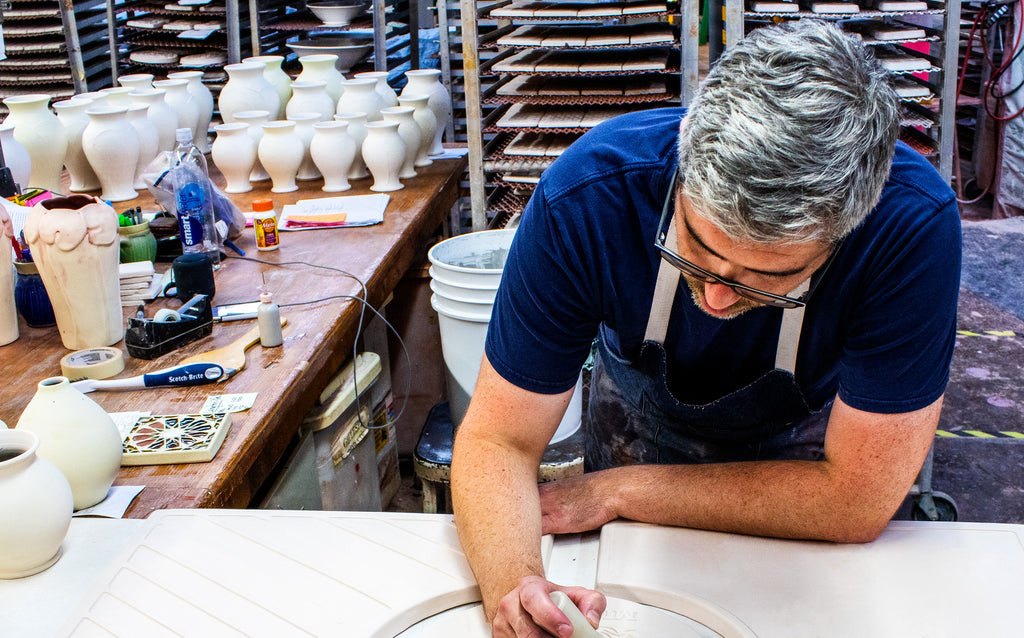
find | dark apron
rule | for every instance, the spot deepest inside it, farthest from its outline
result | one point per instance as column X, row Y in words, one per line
column 634, row 418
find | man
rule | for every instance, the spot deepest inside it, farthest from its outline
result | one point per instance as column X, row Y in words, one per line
column 792, row 389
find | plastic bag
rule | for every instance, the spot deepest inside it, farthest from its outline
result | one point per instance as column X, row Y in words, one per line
column 156, row 178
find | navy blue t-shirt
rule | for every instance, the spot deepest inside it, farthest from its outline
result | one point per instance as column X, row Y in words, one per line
column 879, row 330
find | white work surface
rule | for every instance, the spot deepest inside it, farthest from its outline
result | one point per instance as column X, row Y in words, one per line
column 265, row 573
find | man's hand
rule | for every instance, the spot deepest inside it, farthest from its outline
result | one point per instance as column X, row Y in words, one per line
column 528, row 612
column 576, row 504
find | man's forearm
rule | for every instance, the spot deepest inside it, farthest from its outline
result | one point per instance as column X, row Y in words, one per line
column 497, row 509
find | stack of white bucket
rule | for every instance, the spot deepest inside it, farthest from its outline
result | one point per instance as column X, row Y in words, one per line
column 464, row 275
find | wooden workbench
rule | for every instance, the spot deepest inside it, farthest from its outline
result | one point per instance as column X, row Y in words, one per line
column 318, row 339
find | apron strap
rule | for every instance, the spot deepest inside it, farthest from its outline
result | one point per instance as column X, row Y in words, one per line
column 665, row 293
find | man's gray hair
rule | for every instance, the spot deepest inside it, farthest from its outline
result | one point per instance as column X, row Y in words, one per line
column 791, row 136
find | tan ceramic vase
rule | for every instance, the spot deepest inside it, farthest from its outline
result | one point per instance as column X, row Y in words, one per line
column 74, row 242
column 8, row 312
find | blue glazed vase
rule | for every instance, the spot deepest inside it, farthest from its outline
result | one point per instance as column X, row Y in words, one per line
column 30, row 296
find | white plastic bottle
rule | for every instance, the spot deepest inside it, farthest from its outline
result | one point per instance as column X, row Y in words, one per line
column 193, row 199
column 268, row 317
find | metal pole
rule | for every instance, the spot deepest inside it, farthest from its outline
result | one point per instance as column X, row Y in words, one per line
column 67, row 17
column 690, row 44
column 444, row 42
column 474, row 113
column 380, row 44
column 254, row 27
column 950, row 66
column 234, row 35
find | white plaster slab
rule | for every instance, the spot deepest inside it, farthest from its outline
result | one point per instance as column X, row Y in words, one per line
column 917, row 579
column 279, row 574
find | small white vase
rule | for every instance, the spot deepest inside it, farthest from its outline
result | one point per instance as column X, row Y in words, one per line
column 361, row 96
column 281, row 152
column 333, row 150
column 75, row 246
column 428, row 82
column 149, row 140
column 255, row 119
column 180, row 99
column 77, row 436
column 388, row 95
column 320, row 68
column 357, row 131
column 428, row 125
column 204, row 103
column 234, row 154
column 384, row 154
column 42, row 135
column 37, row 505
column 160, row 114
column 15, row 155
column 278, row 79
column 8, row 310
column 246, row 90
column 71, row 114
column 310, row 96
column 304, row 129
column 410, row 133
column 117, row 95
column 136, row 81
column 112, row 146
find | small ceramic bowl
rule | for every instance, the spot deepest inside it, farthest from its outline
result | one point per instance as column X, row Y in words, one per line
column 336, row 14
column 349, row 50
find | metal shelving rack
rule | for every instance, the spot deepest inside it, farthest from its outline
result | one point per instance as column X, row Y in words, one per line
column 500, row 183
column 928, row 121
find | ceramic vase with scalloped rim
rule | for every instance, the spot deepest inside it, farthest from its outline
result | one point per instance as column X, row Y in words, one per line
column 333, row 150
column 77, row 436
column 234, row 154
column 384, row 154
column 36, row 500
column 38, row 130
column 281, row 151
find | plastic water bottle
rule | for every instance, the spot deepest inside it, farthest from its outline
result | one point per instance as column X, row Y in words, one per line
column 194, row 199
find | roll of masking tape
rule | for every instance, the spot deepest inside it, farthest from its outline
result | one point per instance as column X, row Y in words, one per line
column 166, row 315
column 93, row 363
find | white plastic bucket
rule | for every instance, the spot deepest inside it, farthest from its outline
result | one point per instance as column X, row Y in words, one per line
column 464, row 278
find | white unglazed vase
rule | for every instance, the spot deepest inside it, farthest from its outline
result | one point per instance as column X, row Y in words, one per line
column 304, row 129
column 278, row 79
column 310, row 96
column 160, row 114
column 234, row 154
column 37, row 505
column 38, row 130
column 71, row 114
column 428, row 125
column 75, row 245
column 428, row 82
column 319, row 67
column 255, row 120
column 361, row 96
column 384, row 154
column 77, row 436
column 8, row 310
column 117, row 95
column 281, row 152
column 333, row 150
column 357, row 131
column 15, row 155
column 136, row 81
column 246, row 90
column 384, row 90
column 149, row 140
column 409, row 131
column 180, row 99
column 112, row 147
column 204, row 103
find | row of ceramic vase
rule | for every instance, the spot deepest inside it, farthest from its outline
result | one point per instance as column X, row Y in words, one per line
column 107, row 139
column 322, row 125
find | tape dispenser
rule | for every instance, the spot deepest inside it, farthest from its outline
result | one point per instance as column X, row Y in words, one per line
column 169, row 329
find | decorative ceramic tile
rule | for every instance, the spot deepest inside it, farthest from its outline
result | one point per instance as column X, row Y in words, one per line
column 184, row 438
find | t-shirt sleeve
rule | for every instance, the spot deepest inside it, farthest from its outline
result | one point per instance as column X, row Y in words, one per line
column 543, row 320
column 900, row 341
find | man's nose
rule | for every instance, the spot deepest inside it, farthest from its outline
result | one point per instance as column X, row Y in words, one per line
column 719, row 296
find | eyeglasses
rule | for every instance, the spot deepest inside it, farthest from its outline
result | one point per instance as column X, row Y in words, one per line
column 691, row 269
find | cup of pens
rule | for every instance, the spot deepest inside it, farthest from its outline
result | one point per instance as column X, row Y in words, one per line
column 137, row 242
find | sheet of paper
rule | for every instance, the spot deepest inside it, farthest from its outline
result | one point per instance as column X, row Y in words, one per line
column 218, row 403
column 115, row 503
column 334, row 212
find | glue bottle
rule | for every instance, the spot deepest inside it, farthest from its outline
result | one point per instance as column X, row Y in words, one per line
column 268, row 317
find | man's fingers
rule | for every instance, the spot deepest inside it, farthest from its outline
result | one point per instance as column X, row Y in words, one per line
column 590, row 603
